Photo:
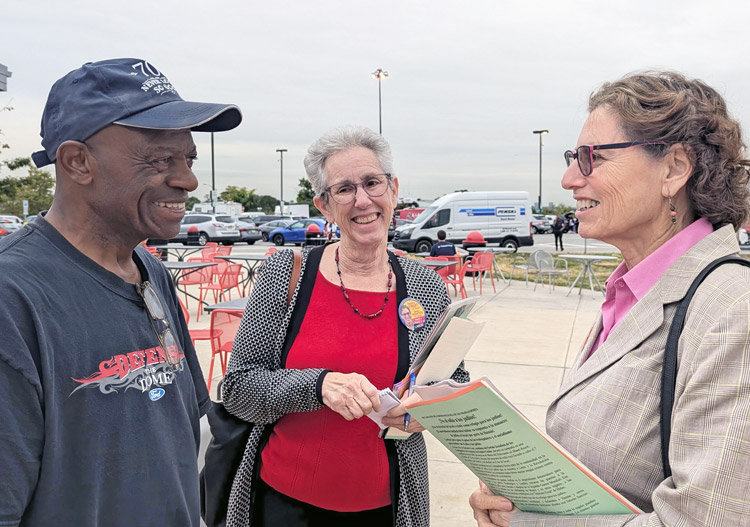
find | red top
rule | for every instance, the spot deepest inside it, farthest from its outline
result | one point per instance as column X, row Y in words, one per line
column 319, row 457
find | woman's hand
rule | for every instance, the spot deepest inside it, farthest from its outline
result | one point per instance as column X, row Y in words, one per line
column 491, row 510
column 350, row 395
column 395, row 416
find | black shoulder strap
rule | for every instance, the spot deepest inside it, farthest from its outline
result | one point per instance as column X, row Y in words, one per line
column 669, row 369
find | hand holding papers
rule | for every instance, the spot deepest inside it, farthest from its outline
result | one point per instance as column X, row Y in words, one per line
column 388, row 400
column 509, row 454
column 442, row 352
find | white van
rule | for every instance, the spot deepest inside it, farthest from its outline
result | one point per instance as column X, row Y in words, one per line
column 502, row 217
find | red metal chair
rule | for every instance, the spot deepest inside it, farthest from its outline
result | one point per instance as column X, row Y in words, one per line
column 195, row 334
column 203, row 276
column 453, row 258
column 224, row 250
column 455, row 278
column 449, row 274
column 228, row 279
column 479, row 265
column 208, row 252
column 224, row 325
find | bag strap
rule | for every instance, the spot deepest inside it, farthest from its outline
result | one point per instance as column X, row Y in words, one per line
column 669, row 369
column 296, row 269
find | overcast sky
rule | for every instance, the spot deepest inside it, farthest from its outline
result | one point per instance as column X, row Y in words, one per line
column 468, row 80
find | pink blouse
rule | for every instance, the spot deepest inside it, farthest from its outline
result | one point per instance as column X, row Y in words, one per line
column 626, row 287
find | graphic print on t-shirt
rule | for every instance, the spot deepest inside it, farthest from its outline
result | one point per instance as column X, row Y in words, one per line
column 142, row 370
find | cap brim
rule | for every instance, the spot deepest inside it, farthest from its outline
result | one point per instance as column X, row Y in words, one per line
column 41, row 159
column 186, row 115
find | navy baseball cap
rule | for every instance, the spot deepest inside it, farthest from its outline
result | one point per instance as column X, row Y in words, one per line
column 130, row 92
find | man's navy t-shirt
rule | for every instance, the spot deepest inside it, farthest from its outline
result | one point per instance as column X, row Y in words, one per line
column 97, row 429
column 443, row 249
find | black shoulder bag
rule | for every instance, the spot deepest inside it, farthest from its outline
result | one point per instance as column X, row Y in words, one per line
column 669, row 370
column 227, row 445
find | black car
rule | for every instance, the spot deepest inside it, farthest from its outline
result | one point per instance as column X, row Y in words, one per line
column 392, row 227
column 266, row 228
column 249, row 232
column 270, row 217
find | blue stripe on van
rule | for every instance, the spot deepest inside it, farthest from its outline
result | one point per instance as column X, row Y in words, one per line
column 477, row 212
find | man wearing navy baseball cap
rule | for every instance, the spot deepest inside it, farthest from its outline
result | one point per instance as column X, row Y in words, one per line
column 101, row 387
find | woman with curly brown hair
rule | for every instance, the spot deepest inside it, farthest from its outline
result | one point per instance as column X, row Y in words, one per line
column 660, row 172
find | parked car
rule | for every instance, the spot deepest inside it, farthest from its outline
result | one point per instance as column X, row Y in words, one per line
column 270, row 217
column 266, row 228
column 9, row 224
column 541, row 224
column 394, row 225
column 295, row 232
column 211, row 228
column 249, row 232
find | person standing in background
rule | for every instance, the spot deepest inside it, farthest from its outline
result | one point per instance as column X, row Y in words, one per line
column 558, row 227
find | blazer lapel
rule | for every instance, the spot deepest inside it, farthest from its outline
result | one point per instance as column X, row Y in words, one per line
column 647, row 315
column 640, row 322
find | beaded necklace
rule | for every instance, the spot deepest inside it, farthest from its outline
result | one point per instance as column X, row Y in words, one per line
column 346, row 294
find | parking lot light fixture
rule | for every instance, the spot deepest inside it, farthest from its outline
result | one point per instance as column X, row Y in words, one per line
column 379, row 74
column 541, row 133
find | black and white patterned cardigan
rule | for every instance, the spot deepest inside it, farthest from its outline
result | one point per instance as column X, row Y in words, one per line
column 260, row 390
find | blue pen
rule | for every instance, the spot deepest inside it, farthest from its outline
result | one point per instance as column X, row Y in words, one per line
column 412, row 382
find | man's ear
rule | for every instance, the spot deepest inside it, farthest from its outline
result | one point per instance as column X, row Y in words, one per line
column 322, row 205
column 76, row 162
column 679, row 169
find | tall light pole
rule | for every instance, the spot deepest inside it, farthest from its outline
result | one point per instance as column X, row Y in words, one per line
column 213, row 177
column 281, row 201
column 541, row 133
column 379, row 74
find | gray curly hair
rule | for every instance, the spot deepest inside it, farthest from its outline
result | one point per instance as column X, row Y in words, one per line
column 338, row 140
column 666, row 106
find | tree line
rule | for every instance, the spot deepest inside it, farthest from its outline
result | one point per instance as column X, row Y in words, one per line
column 261, row 202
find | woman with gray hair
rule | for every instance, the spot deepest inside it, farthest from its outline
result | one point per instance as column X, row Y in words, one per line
column 306, row 372
column 660, row 172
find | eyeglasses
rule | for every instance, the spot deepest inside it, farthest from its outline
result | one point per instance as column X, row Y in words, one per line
column 585, row 153
column 169, row 345
column 373, row 186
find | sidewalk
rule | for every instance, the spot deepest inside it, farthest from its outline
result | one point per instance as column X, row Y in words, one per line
column 529, row 341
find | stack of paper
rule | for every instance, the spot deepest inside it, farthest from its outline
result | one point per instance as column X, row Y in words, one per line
column 510, row 454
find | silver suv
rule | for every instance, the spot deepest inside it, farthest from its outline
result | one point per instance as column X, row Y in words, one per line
column 211, row 228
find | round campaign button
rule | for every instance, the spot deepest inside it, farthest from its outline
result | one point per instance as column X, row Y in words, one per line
column 411, row 313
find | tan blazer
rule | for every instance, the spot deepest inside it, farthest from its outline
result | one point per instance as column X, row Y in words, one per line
column 607, row 411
